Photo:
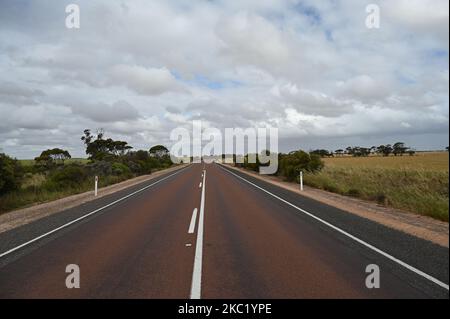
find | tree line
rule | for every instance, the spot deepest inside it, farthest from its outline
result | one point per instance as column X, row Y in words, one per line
column 114, row 160
column 396, row 149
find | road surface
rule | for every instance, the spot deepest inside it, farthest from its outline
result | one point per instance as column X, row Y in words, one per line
column 207, row 231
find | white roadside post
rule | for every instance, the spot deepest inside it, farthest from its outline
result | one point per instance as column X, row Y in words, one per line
column 96, row 186
column 301, row 180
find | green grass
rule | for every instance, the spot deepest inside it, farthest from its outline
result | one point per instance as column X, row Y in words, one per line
column 32, row 192
column 30, row 162
column 417, row 184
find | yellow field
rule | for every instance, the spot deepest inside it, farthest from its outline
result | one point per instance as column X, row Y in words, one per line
column 418, row 184
column 426, row 160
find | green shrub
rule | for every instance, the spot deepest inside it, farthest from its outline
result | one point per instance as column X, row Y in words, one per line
column 69, row 176
column 120, row 169
column 290, row 164
column 10, row 174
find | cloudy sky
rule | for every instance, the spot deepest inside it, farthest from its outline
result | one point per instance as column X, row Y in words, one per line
column 138, row 69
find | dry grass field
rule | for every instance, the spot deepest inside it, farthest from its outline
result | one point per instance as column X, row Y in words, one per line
column 424, row 160
column 418, row 184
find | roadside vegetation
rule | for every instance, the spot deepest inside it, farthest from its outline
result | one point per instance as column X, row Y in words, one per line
column 54, row 174
column 392, row 176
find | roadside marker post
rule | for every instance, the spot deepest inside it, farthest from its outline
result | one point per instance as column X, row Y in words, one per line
column 301, row 180
column 96, row 186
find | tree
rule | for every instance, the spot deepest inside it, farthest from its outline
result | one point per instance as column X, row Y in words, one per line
column 385, row 150
column 358, row 151
column 339, row 152
column 159, row 151
column 322, row 153
column 10, row 174
column 399, row 148
column 100, row 149
column 52, row 156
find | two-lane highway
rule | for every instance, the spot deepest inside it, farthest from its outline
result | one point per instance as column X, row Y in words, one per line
column 209, row 232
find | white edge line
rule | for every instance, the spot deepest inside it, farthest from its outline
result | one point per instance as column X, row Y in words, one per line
column 85, row 216
column 193, row 219
column 381, row 252
column 197, row 271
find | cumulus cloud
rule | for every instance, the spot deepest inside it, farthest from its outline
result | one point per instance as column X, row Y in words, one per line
column 363, row 87
column 13, row 93
column 250, row 39
column 310, row 68
column 104, row 113
column 146, row 81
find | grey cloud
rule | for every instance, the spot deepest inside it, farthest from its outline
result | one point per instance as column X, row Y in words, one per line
column 12, row 93
column 331, row 78
column 104, row 113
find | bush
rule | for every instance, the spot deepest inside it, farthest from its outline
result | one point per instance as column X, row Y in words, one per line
column 100, row 168
column 10, row 174
column 120, row 169
column 66, row 177
column 290, row 164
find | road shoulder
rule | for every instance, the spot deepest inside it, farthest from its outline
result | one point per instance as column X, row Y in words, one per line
column 416, row 225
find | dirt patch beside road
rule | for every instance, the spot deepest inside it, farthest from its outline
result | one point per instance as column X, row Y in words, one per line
column 24, row 216
column 420, row 226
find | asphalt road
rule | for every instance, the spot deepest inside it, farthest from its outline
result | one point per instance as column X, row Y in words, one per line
column 206, row 231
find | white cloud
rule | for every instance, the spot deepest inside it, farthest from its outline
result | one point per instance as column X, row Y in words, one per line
column 138, row 70
column 146, row 81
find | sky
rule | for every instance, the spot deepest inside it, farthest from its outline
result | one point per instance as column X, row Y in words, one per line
column 138, row 69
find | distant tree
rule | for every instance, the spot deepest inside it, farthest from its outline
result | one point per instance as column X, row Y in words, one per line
column 159, row 151
column 411, row 152
column 339, row 152
column 446, row 148
column 363, row 151
column 373, row 150
column 349, row 150
column 322, row 153
column 100, row 149
column 399, row 148
column 358, row 151
column 385, row 150
column 53, row 156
